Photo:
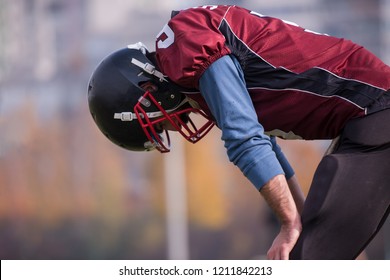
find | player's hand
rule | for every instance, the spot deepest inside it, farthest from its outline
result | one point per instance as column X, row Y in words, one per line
column 284, row 243
column 278, row 196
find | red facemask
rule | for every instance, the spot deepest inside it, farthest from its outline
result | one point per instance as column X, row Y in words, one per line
column 179, row 118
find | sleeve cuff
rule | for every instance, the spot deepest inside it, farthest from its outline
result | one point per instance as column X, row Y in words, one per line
column 260, row 172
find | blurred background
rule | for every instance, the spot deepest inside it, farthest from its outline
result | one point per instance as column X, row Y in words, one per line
column 66, row 192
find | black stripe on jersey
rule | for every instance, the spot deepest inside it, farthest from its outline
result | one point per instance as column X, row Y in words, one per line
column 260, row 73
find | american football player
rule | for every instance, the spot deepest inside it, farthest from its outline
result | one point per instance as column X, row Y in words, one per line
column 256, row 78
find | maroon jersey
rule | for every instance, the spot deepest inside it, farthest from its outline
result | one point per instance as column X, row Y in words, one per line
column 302, row 83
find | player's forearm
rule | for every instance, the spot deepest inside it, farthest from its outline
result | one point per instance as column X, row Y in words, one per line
column 297, row 193
column 278, row 196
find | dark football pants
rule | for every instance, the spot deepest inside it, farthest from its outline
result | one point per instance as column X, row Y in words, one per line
column 349, row 198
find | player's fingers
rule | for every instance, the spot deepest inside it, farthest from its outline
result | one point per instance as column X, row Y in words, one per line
column 270, row 254
column 273, row 254
column 284, row 255
column 278, row 254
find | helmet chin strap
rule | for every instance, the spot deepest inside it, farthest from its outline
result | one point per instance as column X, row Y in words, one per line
column 149, row 68
column 146, row 67
column 129, row 116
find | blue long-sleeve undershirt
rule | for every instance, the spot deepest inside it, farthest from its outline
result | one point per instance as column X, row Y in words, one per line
column 258, row 156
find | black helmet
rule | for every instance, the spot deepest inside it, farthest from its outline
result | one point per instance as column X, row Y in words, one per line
column 127, row 114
